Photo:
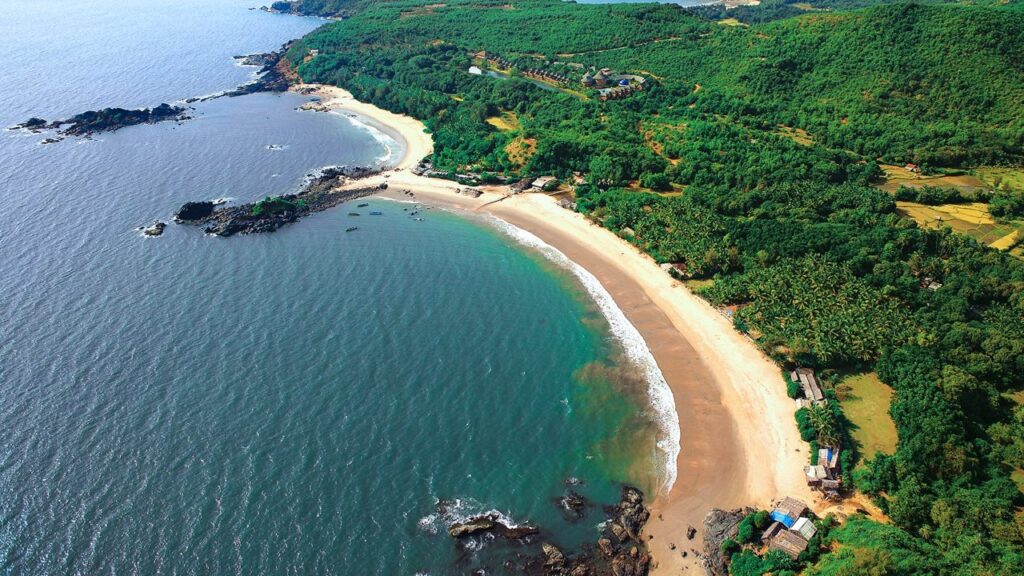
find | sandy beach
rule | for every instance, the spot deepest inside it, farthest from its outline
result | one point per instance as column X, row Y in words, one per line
column 739, row 443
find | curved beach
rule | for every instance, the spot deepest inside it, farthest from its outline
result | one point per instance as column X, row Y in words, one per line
column 738, row 444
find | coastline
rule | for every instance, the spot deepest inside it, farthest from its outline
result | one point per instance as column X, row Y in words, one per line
column 738, row 445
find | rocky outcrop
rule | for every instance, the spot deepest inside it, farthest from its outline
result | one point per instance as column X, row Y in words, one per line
column 271, row 213
column 572, row 504
column 272, row 76
column 105, row 120
column 193, row 211
column 491, row 523
column 155, row 230
column 719, row 526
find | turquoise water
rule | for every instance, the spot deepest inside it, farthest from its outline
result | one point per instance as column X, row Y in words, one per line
column 290, row 403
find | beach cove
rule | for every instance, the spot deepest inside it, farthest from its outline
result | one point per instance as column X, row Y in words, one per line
column 738, row 445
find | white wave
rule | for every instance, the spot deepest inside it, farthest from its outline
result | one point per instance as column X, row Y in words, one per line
column 633, row 344
column 393, row 149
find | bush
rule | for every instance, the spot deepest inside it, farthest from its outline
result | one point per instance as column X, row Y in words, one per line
column 792, row 388
column 745, row 531
column 803, row 423
column 657, row 181
column 729, row 547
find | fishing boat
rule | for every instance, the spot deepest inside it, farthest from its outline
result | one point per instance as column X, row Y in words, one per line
column 363, row 205
column 352, row 229
column 376, row 213
column 353, row 213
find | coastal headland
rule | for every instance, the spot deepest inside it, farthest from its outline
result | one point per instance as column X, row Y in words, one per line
column 738, row 445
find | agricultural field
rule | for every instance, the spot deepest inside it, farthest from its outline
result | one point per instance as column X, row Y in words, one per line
column 970, row 219
column 865, row 400
column 1011, row 178
column 896, row 176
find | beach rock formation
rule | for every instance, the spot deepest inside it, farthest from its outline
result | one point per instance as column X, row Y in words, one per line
column 720, row 525
column 271, row 213
column 572, row 504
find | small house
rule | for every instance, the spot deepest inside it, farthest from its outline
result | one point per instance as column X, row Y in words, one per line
column 772, row 531
column 815, row 474
column 913, row 168
column 541, row 182
column 828, row 457
column 805, row 528
column 475, row 70
column 789, row 542
column 805, row 377
column 788, row 511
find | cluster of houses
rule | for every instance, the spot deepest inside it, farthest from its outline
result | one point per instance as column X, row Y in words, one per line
column 790, row 530
column 826, row 474
column 612, row 86
column 496, row 61
column 546, row 76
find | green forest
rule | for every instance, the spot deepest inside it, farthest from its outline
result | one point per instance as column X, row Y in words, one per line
column 766, row 142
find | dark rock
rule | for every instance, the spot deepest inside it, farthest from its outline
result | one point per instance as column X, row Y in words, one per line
column 33, row 124
column 194, row 211
column 720, row 525
column 109, row 120
column 573, row 505
column 555, row 558
column 690, row 532
column 155, row 230
column 606, row 547
column 268, row 215
column 473, row 526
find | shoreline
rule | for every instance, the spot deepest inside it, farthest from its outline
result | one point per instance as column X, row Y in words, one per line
column 738, row 445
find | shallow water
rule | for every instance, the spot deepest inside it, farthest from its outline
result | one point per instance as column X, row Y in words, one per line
column 294, row 402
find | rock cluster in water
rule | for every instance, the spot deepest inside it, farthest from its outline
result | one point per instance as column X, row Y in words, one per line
column 105, row 120
column 619, row 549
column 272, row 213
column 273, row 77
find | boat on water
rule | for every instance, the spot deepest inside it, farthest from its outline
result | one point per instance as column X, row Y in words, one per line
column 353, row 213
column 363, row 205
column 352, row 229
column 376, row 213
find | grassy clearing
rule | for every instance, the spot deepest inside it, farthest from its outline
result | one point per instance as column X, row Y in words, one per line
column 970, row 219
column 731, row 22
column 1012, row 178
column 520, row 150
column 798, row 135
column 865, row 400
column 507, row 122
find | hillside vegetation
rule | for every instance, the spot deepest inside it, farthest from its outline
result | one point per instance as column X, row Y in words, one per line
column 770, row 135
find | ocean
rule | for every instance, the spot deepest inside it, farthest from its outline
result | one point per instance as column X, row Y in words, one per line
column 289, row 403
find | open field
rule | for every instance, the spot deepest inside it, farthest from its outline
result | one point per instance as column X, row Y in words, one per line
column 798, row 135
column 896, row 176
column 507, row 122
column 971, row 219
column 865, row 400
column 1012, row 178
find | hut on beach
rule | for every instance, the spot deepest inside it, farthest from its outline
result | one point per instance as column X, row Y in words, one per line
column 789, row 542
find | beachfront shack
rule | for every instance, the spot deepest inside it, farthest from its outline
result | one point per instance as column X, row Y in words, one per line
column 789, row 542
column 788, row 511
column 806, row 379
column 805, row 528
column 772, row 531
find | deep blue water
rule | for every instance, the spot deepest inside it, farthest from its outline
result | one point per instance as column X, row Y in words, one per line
column 290, row 403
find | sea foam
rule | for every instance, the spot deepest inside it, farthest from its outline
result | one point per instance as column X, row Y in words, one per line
column 392, row 147
column 633, row 344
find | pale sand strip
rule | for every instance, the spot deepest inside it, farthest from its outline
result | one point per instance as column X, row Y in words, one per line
column 739, row 443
